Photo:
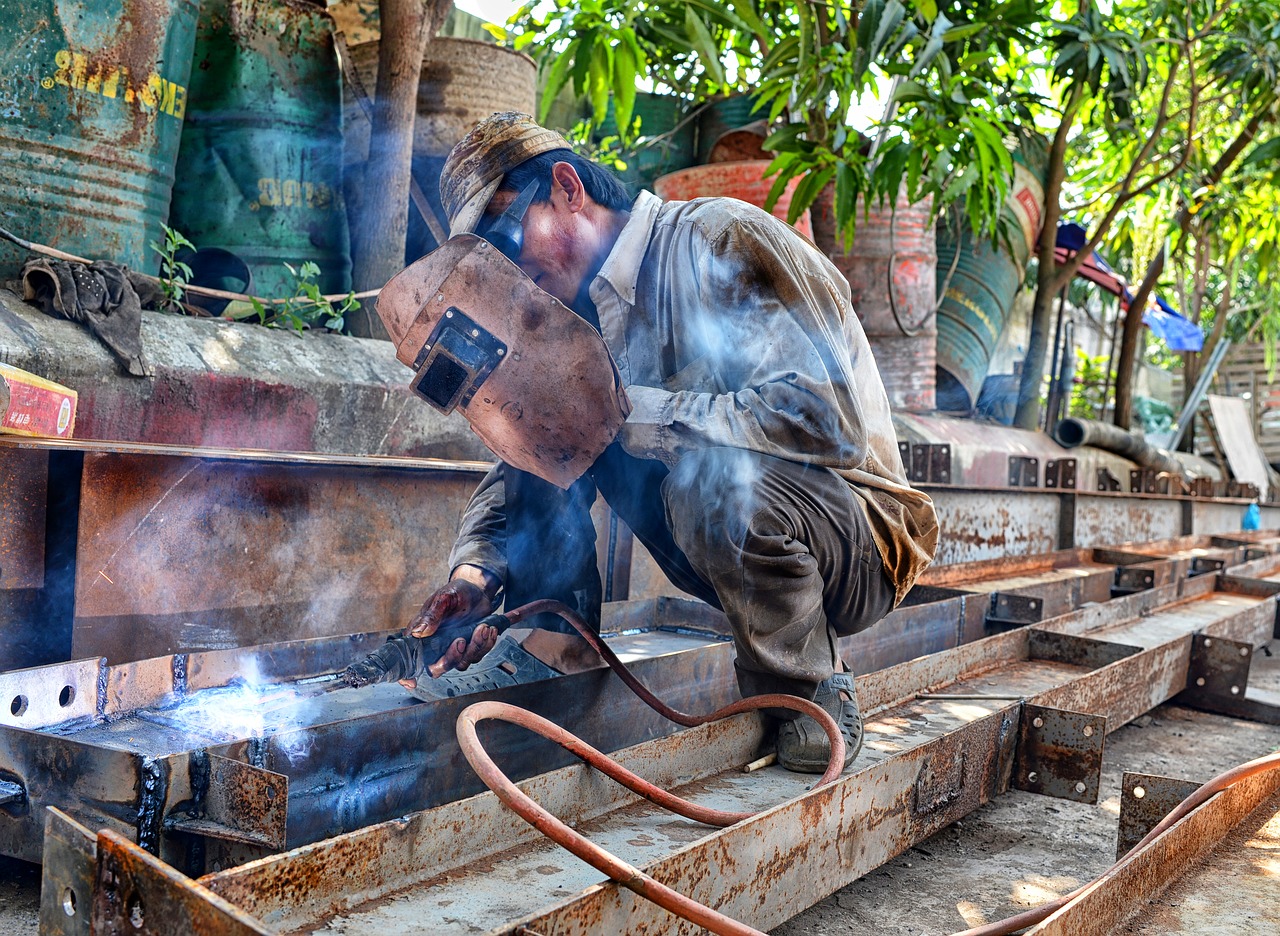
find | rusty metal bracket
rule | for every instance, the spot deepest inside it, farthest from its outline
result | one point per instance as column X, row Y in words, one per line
column 1010, row 611
column 927, row 463
column 1024, row 471
column 1107, row 481
column 1218, row 667
column 1202, row 487
column 1201, row 565
column 1131, row 579
column 1145, row 799
column 66, row 879
column 1060, row 473
column 1075, row 650
column 233, row 801
column 1059, row 753
column 136, row 893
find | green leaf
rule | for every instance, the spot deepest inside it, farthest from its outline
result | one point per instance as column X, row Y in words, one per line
column 624, row 85
column 928, row 8
column 931, row 49
column 706, row 48
column 557, row 77
column 963, row 31
column 894, row 12
column 846, row 195
column 598, row 76
column 807, row 191
column 783, row 137
column 1266, row 152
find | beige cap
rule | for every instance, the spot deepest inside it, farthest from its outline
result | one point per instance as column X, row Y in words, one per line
column 477, row 164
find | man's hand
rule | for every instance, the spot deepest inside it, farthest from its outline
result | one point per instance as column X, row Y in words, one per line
column 462, row 600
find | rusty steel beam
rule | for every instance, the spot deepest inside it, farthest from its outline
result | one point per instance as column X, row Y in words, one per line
column 941, row 738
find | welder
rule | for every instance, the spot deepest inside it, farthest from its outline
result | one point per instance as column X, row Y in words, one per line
column 738, row 424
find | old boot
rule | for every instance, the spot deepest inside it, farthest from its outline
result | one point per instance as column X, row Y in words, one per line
column 802, row 744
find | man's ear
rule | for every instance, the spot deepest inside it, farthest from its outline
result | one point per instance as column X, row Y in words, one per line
column 565, row 182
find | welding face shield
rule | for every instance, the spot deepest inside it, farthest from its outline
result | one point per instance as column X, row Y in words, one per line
column 534, row 380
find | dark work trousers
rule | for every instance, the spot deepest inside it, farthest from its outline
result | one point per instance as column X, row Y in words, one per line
column 783, row 548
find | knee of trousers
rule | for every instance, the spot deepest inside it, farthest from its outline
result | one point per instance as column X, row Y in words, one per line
column 713, row 489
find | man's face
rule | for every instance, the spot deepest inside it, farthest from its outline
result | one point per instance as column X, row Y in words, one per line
column 557, row 253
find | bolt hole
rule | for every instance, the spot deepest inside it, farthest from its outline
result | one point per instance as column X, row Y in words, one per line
column 137, row 913
column 1199, row 680
column 1244, row 651
column 18, row 706
column 1033, row 777
column 69, row 902
column 271, row 792
column 1235, row 690
column 67, row 696
column 1139, row 792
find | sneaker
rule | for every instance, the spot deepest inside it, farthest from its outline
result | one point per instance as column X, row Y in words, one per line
column 507, row 664
column 802, row 745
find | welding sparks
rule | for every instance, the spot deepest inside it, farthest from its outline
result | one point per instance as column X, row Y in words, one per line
column 251, row 707
column 105, row 576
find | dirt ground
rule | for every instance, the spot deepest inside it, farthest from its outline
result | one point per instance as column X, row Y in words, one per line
column 1014, row 853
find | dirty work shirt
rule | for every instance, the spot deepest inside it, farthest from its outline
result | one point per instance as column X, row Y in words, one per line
column 731, row 331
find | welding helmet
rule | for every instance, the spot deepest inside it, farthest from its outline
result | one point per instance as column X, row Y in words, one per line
column 534, row 379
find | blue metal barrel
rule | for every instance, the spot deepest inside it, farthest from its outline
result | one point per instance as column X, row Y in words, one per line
column 978, row 287
column 92, row 98
column 260, row 169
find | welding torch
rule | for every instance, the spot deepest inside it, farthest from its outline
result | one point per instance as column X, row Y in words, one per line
column 406, row 657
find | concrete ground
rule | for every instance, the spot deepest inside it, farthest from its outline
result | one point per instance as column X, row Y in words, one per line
column 1012, row 854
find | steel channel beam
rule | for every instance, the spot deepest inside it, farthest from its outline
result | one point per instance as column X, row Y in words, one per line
column 869, row 816
column 365, row 760
column 1142, row 877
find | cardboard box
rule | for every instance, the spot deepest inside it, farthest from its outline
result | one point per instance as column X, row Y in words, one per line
column 33, row 406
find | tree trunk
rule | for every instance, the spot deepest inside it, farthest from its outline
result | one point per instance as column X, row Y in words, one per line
column 1133, row 318
column 407, row 27
column 1049, row 280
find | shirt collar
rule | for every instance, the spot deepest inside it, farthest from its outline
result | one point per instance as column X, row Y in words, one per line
column 621, row 269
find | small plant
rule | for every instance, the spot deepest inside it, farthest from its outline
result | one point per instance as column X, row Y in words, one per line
column 307, row 307
column 174, row 273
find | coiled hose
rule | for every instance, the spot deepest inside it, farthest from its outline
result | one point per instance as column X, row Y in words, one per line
column 600, row 859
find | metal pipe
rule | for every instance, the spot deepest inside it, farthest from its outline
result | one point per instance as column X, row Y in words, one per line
column 1073, row 432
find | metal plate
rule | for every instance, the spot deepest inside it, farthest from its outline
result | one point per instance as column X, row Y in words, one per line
column 137, row 894
column 1145, row 799
column 199, row 554
column 1060, row 753
column 234, row 801
column 49, row 695
column 66, row 883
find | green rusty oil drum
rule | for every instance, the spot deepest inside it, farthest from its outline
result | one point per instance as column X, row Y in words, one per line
column 978, row 281
column 260, row 169
column 92, row 97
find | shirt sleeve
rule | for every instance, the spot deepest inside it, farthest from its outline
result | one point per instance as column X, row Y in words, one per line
column 482, row 534
column 767, row 313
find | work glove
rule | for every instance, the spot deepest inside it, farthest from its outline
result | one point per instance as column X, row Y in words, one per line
column 456, row 602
